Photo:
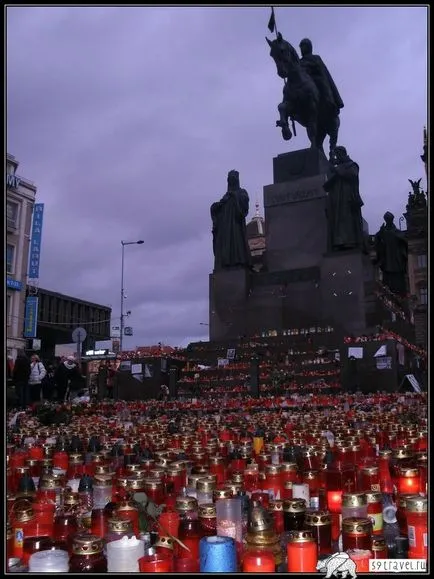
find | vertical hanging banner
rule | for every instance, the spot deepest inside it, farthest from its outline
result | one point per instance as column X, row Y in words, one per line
column 35, row 241
column 31, row 317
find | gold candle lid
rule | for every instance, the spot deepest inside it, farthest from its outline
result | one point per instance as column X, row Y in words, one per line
column 71, row 499
column 174, row 471
column 205, row 485
column 157, row 472
column 133, row 467
column 402, row 499
column 237, row 477
column 289, row 467
column 385, row 453
column 32, row 462
column 260, row 520
column 272, row 469
column 22, row 469
column 23, row 511
column 356, row 525
column 222, row 494
column 207, row 511
column 234, row 487
column 122, row 481
column 401, row 453
column 300, row 536
column 103, row 480
column 409, row 472
column 354, row 500
column 192, row 480
column 370, row 470
column 186, row 504
column 147, row 462
column 374, row 497
column 120, row 525
column 216, row 459
column 275, row 505
column 200, row 469
column 87, row 545
column 164, row 542
column 294, row 505
column 378, row 543
column 310, row 474
column 317, row 518
column 125, row 506
column 137, row 483
column 152, row 483
column 163, row 462
column 76, row 458
column 97, row 457
column 417, row 504
column 49, row 481
column 287, row 485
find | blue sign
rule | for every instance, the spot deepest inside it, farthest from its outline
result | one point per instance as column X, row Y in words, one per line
column 31, row 317
column 14, row 284
column 35, row 241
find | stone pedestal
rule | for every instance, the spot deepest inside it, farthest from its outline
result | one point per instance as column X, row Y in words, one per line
column 228, row 294
column 344, row 278
column 295, row 221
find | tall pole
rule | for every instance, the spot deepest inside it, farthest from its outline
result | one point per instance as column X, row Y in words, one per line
column 122, row 301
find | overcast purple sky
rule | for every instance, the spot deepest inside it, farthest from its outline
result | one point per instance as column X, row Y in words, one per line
column 128, row 120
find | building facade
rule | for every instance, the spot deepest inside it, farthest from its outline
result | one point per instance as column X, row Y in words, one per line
column 60, row 314
column 20, row 200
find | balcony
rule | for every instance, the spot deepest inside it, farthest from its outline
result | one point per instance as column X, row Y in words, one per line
column 12, row 225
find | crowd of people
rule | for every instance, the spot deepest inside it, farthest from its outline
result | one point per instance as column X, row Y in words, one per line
column 30, row 380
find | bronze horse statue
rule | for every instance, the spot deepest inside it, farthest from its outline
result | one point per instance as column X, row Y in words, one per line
column 302, row 99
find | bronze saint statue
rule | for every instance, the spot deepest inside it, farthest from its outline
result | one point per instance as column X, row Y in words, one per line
column 229, row 226
column 391, row 250
column 344, row 203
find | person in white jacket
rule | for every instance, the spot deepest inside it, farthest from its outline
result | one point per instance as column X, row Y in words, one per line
column 37, row 374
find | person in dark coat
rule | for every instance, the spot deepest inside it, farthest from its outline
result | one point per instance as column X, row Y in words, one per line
column 67, row 377
column 21, row 376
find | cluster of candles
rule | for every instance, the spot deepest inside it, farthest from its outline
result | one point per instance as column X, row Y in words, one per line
column 286, row 494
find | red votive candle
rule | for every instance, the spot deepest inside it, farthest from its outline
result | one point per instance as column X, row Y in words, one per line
column 409, row 481
column 259, row 562
column 302, row 553
column 155, row 564
column 361, row 559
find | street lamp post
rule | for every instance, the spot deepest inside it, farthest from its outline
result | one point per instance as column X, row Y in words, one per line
column 124, row 243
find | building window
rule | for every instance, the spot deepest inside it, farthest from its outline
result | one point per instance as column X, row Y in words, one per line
column 12, row 214
column 423, row 295
column 9, row 309
column 422, row 261
column 10, row 258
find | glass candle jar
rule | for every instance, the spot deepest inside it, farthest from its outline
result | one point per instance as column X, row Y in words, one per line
column 273, row 480
column 230, row 518
column 208, row 519
column 302, row 552
column 294, row 511
column 204, row 489
column 320, row 524
column 379, row 547
column 258, row 561
column 118, row 528
column 23, row 525
column 289, row 472
column 217, row 467
column 370, row 479
column 361, row 559
column 128, row 510
column 174, row 480
column 102, row 491
column 87, row 555
column 187, row 507
column 189, row 534
column 276, row 509
column 408, row 481
column 354, row 505
column 251, row 479
column 356, row 533
column 154, row 490
column 417, row 527
column 401, row 512
column 287, row 490
column 375, row 511
column 262, row 499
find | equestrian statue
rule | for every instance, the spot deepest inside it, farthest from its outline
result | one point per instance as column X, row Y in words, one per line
column 310, row 96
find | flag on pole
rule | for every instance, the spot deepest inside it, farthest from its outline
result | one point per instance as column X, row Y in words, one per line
column 272, row 21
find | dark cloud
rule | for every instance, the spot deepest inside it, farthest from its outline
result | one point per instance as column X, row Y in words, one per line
column 128, row 120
